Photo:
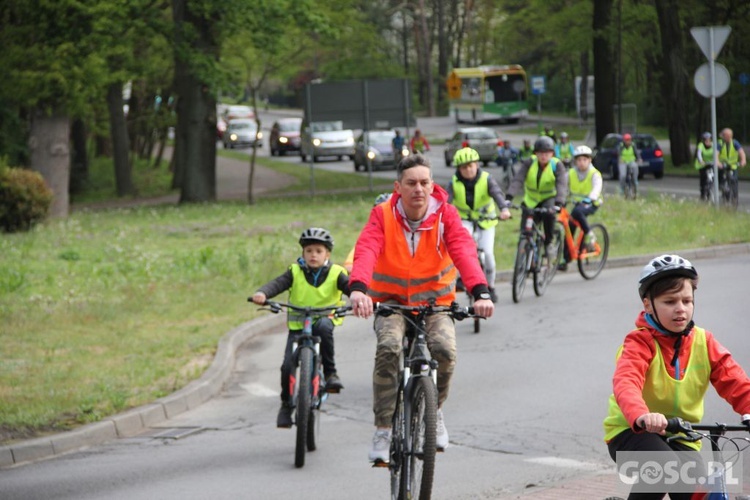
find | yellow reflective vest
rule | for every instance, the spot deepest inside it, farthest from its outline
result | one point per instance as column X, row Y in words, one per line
column 484, row 205
column 303, row 294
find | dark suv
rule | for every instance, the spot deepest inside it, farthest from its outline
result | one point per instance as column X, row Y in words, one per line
column 285, row 136
column 605, row 156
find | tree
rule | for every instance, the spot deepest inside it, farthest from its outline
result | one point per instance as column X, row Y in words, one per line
column 604, row 70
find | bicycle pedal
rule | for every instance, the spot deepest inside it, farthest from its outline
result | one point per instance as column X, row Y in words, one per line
column 333, row 391
column 380, row 463
column 440, row 450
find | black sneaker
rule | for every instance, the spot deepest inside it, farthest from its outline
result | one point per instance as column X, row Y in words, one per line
column 333, row 383
column 284, row 419
column 493, row 296
column 562, row 266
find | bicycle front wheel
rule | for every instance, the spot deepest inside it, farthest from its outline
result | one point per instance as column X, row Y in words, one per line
column 419, row 467
column 304, row 404
column 545, row 272
column 591, row 263
column 397, row 455
column 521, row 268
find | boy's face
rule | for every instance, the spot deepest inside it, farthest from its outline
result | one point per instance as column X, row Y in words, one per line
column 315, row 255
column 544, row 157
column 674, row 309
column 469, row 170
column 583, row 162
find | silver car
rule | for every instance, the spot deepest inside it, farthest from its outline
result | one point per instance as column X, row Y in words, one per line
column 326, row 139
column 242, row 132
column 483, row 140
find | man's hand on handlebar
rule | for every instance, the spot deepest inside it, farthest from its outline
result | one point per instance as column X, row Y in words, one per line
column 361, row 304
column 652, row 422
column 484, row 308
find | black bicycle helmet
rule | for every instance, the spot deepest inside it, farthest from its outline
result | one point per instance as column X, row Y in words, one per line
column 316, row 235
column 663, row 266
column 544, row 143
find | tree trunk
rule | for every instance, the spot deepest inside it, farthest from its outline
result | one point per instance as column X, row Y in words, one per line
column 49, row 150
column 120, row 141
column 442, row 52
column 675, row 82
column 584, row 90
column 195, row 134
column 79, row 172
column 423, row 57
column 604, row 70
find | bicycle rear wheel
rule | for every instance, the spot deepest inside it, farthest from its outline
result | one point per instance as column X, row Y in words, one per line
column 397, row 456
column 590, row 264
column 734, row 188
column 304, row 404
column 521, row 268
column 421, row 421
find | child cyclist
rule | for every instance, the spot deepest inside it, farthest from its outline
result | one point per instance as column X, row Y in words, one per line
column 665, row 365
column 474, row 193
column 312, row 281
column 585, row 184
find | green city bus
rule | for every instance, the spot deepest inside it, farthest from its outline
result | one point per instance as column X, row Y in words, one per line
column 488, row 93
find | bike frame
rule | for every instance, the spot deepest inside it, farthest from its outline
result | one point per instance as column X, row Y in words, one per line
column 573, row 243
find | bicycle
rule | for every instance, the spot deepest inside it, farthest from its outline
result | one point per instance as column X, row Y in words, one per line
column 716, row 435
column 630, row 189
column 590, row 261
column 307, row 381
column 414, row 427
column 482, row 262
column 529, row 257
column 729, row 186
column 710, row 197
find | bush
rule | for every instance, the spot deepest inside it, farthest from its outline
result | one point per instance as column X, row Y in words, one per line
column 24, row 199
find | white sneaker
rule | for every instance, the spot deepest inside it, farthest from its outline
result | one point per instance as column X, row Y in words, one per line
column 590, row 241
column 381, row 446
column 441, row 440
column 551, row 250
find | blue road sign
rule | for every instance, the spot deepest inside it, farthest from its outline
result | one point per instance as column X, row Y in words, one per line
column 744, row 78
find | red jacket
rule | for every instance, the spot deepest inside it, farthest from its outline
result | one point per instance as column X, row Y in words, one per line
column 727, row 377
column 460, row 244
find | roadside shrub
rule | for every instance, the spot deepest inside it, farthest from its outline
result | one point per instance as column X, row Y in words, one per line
column 24, row 199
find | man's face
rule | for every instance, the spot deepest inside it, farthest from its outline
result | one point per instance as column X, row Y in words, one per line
column 726, row 136
column 415, row 187
column 544, row 157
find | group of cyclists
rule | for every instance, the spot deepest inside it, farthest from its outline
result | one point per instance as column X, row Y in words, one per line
column 418, row 240
column 731, row 156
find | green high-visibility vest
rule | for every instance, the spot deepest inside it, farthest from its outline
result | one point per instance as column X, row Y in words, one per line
column 484, row 205
column 303, row 294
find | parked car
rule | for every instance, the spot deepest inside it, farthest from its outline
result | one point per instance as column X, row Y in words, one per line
column 285, row 136
column 326, row 139
column 605, row 156
column 242, row 132
column 482, row 139
column 380, row 150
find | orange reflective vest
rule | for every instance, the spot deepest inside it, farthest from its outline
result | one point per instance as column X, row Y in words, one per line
column 413, row 279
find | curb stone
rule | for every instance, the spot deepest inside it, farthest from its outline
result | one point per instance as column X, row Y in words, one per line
column 137, row 420
column 197, row 392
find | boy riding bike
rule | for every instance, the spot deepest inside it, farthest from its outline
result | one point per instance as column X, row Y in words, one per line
column 474, row 193
column 312, row 281
column 664, row 368
column 628, row 158
column 585, row 183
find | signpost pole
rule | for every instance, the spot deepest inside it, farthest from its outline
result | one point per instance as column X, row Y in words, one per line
column 312, row 153
column 366, row 133
column 712, row 70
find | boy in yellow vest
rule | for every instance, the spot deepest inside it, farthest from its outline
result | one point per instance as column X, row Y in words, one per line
column 585, row 184
column 311, row 281
column 628, row 159
column 665, row 365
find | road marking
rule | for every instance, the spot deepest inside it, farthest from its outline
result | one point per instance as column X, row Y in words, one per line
column 564, row 463
column 260, row 390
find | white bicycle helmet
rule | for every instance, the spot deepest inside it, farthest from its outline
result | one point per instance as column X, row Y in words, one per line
column 583, row 150
column 663, row 266
column 316, row 235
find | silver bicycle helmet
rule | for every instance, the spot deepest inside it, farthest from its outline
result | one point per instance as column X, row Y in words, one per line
column 663, row 266
column 544, row 143
column 316, row 235
column 583, row 150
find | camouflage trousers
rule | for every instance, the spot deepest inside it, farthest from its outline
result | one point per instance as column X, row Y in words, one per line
column 441, row 341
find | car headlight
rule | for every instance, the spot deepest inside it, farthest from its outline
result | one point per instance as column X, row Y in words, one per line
column 232, row 137
column 283, row 140
column 316, row 142
column 371, row 155
column 260, row 135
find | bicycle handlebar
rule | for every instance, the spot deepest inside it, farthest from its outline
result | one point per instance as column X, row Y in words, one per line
column 678, row 425
column 538, row 210
column 456, row 311
column 276, row 307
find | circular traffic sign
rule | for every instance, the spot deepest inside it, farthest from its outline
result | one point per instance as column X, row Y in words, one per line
column 702, row 80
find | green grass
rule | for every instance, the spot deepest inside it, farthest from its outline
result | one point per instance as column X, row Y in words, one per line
column 108, row 310
column 149, row 181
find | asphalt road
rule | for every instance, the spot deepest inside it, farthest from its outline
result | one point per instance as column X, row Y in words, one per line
column 526, row 406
